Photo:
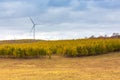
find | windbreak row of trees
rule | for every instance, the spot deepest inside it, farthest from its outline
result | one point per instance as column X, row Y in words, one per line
column 68, row 48
column 114, row 35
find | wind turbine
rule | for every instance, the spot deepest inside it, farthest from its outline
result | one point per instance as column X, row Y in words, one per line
column 33, row 28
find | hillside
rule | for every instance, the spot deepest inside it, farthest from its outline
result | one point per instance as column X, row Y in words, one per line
column 19, row 41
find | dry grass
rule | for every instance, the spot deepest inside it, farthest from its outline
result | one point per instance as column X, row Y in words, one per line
column 103, row 67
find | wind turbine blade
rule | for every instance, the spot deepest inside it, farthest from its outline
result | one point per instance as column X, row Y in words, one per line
column 31, row 20
column 32, row 28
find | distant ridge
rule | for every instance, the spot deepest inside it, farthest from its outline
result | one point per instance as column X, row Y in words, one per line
column 19, row 41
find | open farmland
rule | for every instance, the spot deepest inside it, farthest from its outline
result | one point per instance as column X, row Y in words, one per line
column 102, row 67
column 84, row 59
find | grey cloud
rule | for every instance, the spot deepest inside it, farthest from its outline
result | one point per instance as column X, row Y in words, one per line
column 16, row 9
column 58, row 22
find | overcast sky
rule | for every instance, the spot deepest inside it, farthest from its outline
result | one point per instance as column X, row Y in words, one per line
column 60, row 19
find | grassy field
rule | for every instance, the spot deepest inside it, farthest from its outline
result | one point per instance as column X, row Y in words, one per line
column 102, row 67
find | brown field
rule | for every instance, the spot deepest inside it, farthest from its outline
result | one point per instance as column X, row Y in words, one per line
column 102, row 67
